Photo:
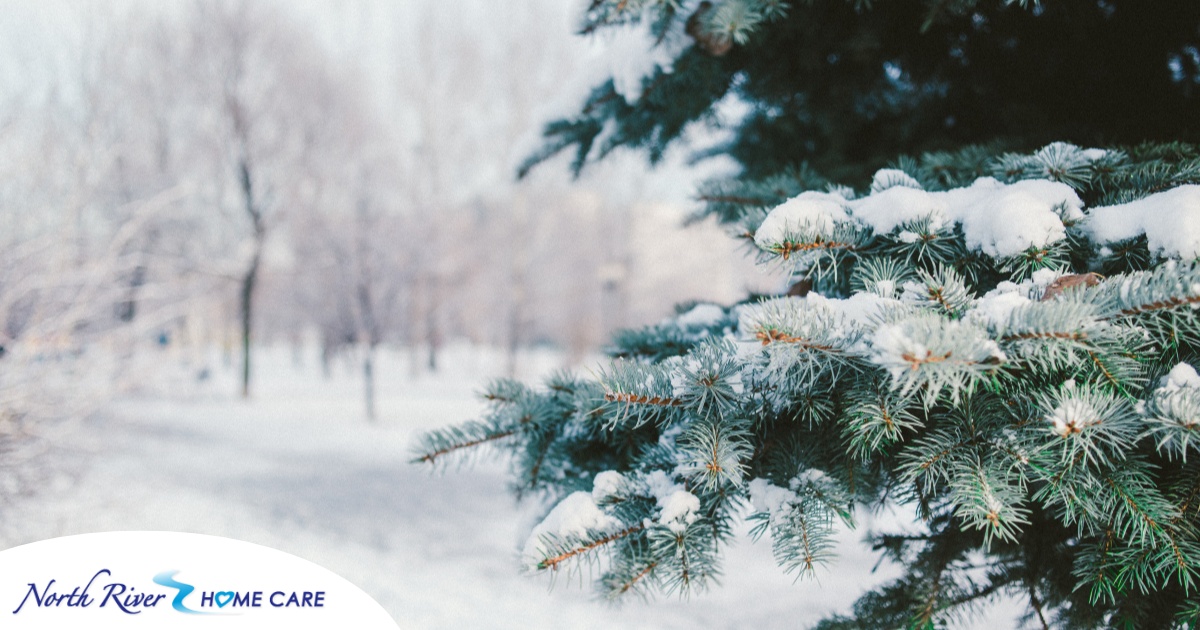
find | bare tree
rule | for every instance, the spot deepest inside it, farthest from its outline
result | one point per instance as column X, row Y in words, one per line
column 351, row 274
column 260, row 73
column 252, row 183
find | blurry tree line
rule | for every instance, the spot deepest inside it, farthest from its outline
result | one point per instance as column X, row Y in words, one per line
column 200, row 175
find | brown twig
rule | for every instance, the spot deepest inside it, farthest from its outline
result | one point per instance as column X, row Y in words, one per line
column 771, row 335
column 1161, row 304
column 787, row 248
column 644, row 572
column 552, row 563
column 1074, row 336
column 640, row 399
column 429, row 457
column 915, row 362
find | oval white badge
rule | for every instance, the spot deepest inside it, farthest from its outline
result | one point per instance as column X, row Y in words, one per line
column 124, row 580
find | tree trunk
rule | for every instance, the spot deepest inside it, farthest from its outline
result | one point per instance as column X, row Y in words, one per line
column 516, row 326
column 246, row 302
column 435, row 341
column 433, row 330
column 127, row 308
column 514, row 343
column 412, row 332
column 326, row 358
column 251, row 276
column 368, row 328
column 369, row 380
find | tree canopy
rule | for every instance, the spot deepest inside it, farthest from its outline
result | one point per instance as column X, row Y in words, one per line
column 848, row 85
column 1002, row 340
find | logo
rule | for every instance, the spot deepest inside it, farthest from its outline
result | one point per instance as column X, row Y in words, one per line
column 127, row 599
column 110, row 581
column 167, row 578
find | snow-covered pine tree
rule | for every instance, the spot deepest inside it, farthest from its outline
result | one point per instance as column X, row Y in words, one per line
column 848, row 85
column 1003, row 342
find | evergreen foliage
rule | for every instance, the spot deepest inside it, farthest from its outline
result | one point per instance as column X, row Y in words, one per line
column 977, row 346
column 1017, row 404
column 846, row 85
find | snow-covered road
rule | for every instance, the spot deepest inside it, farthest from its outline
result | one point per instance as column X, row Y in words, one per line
column 297, row 469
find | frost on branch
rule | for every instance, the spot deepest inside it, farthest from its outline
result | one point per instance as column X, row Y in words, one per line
column 997, row 219
column 981, row 355
column 1173, row 412
column 1169, row 220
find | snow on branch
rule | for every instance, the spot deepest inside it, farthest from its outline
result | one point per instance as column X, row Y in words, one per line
column 973, row 348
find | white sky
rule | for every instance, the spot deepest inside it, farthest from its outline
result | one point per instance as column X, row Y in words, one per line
column 41, row 39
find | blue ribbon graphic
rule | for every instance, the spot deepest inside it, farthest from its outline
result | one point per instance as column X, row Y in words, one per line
column 167, row 578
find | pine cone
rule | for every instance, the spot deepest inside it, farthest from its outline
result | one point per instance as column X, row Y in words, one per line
column 1057, row 287
column 715, row 44
column 801, row 288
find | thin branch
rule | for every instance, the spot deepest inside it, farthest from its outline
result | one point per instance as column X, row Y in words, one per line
column 641, row 399
column 735, row 199
column 552, row 563
column 643, row 573
column 1160, row 305
column 770, row 335
column 1073, row 336
column 430, row 457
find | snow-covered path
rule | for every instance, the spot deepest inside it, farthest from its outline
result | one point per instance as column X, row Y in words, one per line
column 300, row 471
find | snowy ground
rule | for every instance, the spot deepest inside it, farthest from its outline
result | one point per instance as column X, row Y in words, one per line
column 298, row 469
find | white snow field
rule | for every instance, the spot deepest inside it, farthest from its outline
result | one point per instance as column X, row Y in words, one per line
column 300, row 470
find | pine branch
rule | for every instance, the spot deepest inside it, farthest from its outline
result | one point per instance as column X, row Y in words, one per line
column 431, row 456
column 740, row 200
column 509, row 422
column 787, row 248
column 1033, row 412
column 925, row 617
column 1049, row 334
column 769, row 336
column 554, row 561
column 640, row 399
column 1158, row 305
column 1036, row 604
column 635, row 579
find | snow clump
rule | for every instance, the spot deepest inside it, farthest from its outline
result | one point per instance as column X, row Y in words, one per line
column 701, row 316
column 997, row 219
column 678, row 508
column 807, row 212
column 1072, row 416
column 574, row 517
column 770, row 498
column 1170, row 220
column 1180, row 376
